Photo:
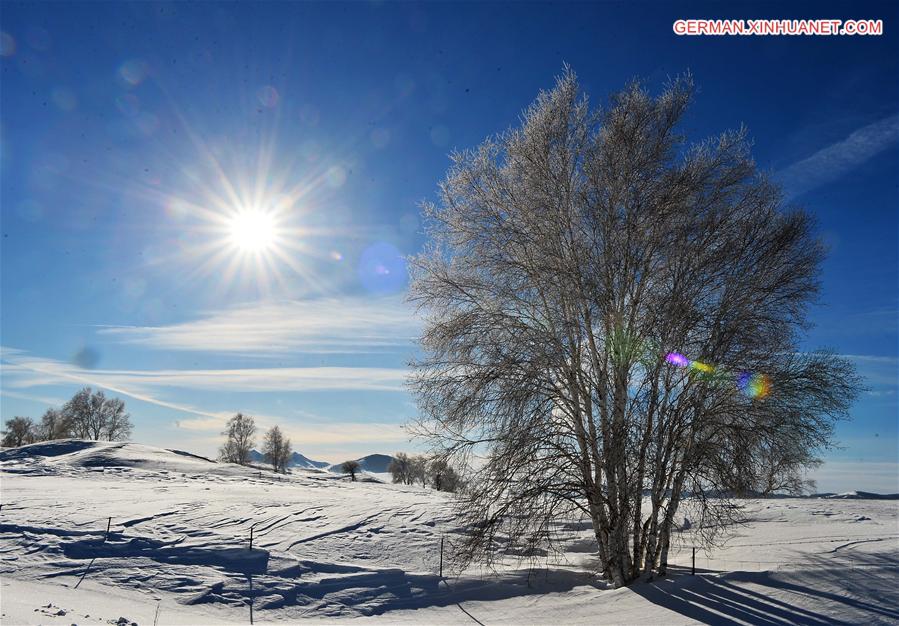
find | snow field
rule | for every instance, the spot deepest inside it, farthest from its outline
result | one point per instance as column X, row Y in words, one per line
column 328, row 549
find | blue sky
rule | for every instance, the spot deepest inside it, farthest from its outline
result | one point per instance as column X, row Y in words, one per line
column 129, row 133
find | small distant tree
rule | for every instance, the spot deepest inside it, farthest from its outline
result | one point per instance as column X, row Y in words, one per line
column 276, row 449
column 19, row 431
column 240, row 437
column 400, row 469
column 418, row 470
column 54, row 425
column 91, row 415
column 352, row 468
column 442, row 476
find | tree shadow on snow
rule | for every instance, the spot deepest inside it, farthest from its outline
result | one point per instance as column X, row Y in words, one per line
column 841, row 593
column 377, row 591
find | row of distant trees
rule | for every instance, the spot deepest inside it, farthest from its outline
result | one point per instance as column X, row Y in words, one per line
column 88, row 415
column 240, row 439
column 434, row 472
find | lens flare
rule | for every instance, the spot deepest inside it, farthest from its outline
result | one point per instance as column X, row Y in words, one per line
column 268, row 96
column 382, row 269
column 758, row 387
column 133, row 71
column 755, row 386
column 677, row 359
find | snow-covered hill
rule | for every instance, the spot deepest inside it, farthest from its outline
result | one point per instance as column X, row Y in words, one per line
column 178, row 552
column 296, row 460
column 299, row 460
column 859, row 495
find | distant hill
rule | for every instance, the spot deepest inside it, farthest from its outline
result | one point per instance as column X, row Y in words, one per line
column 257, row 457
column 858, row 495
column 296, row 460
column 374, row 463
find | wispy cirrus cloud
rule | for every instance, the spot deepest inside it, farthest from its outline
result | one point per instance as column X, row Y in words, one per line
column 312, row 433
column 881, row 373
column 342, row 325
column 872, row 358
column 32, row 398
column 837, row 159
column 23, row 371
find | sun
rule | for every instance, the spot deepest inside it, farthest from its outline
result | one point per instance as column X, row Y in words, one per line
column 252, row 230
column 246, row 230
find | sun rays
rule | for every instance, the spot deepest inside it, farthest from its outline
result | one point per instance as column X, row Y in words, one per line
column 253, row 231
column 244, row 224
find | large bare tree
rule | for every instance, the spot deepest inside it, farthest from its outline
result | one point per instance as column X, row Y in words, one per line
column 613, row 323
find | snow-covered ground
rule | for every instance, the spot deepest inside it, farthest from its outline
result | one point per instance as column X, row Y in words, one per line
column 328, row 549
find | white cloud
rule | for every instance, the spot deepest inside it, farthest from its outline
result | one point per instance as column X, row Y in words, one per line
column 843, row 476
column 318, row 325
column 870, row 358
column 283, row 379
column 881, row 371
column 38, row 372
column 32, row 398
column 320, row 433
column 837, row 159
column 21, row 371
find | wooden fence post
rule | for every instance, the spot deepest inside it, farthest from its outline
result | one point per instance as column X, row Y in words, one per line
column 251, row 537
column 441, row 557
column 693, row 569
column 108, row 524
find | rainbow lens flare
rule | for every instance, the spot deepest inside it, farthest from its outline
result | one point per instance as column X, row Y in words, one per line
column 677, row 359
column 755, row 386
column 758, row 386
